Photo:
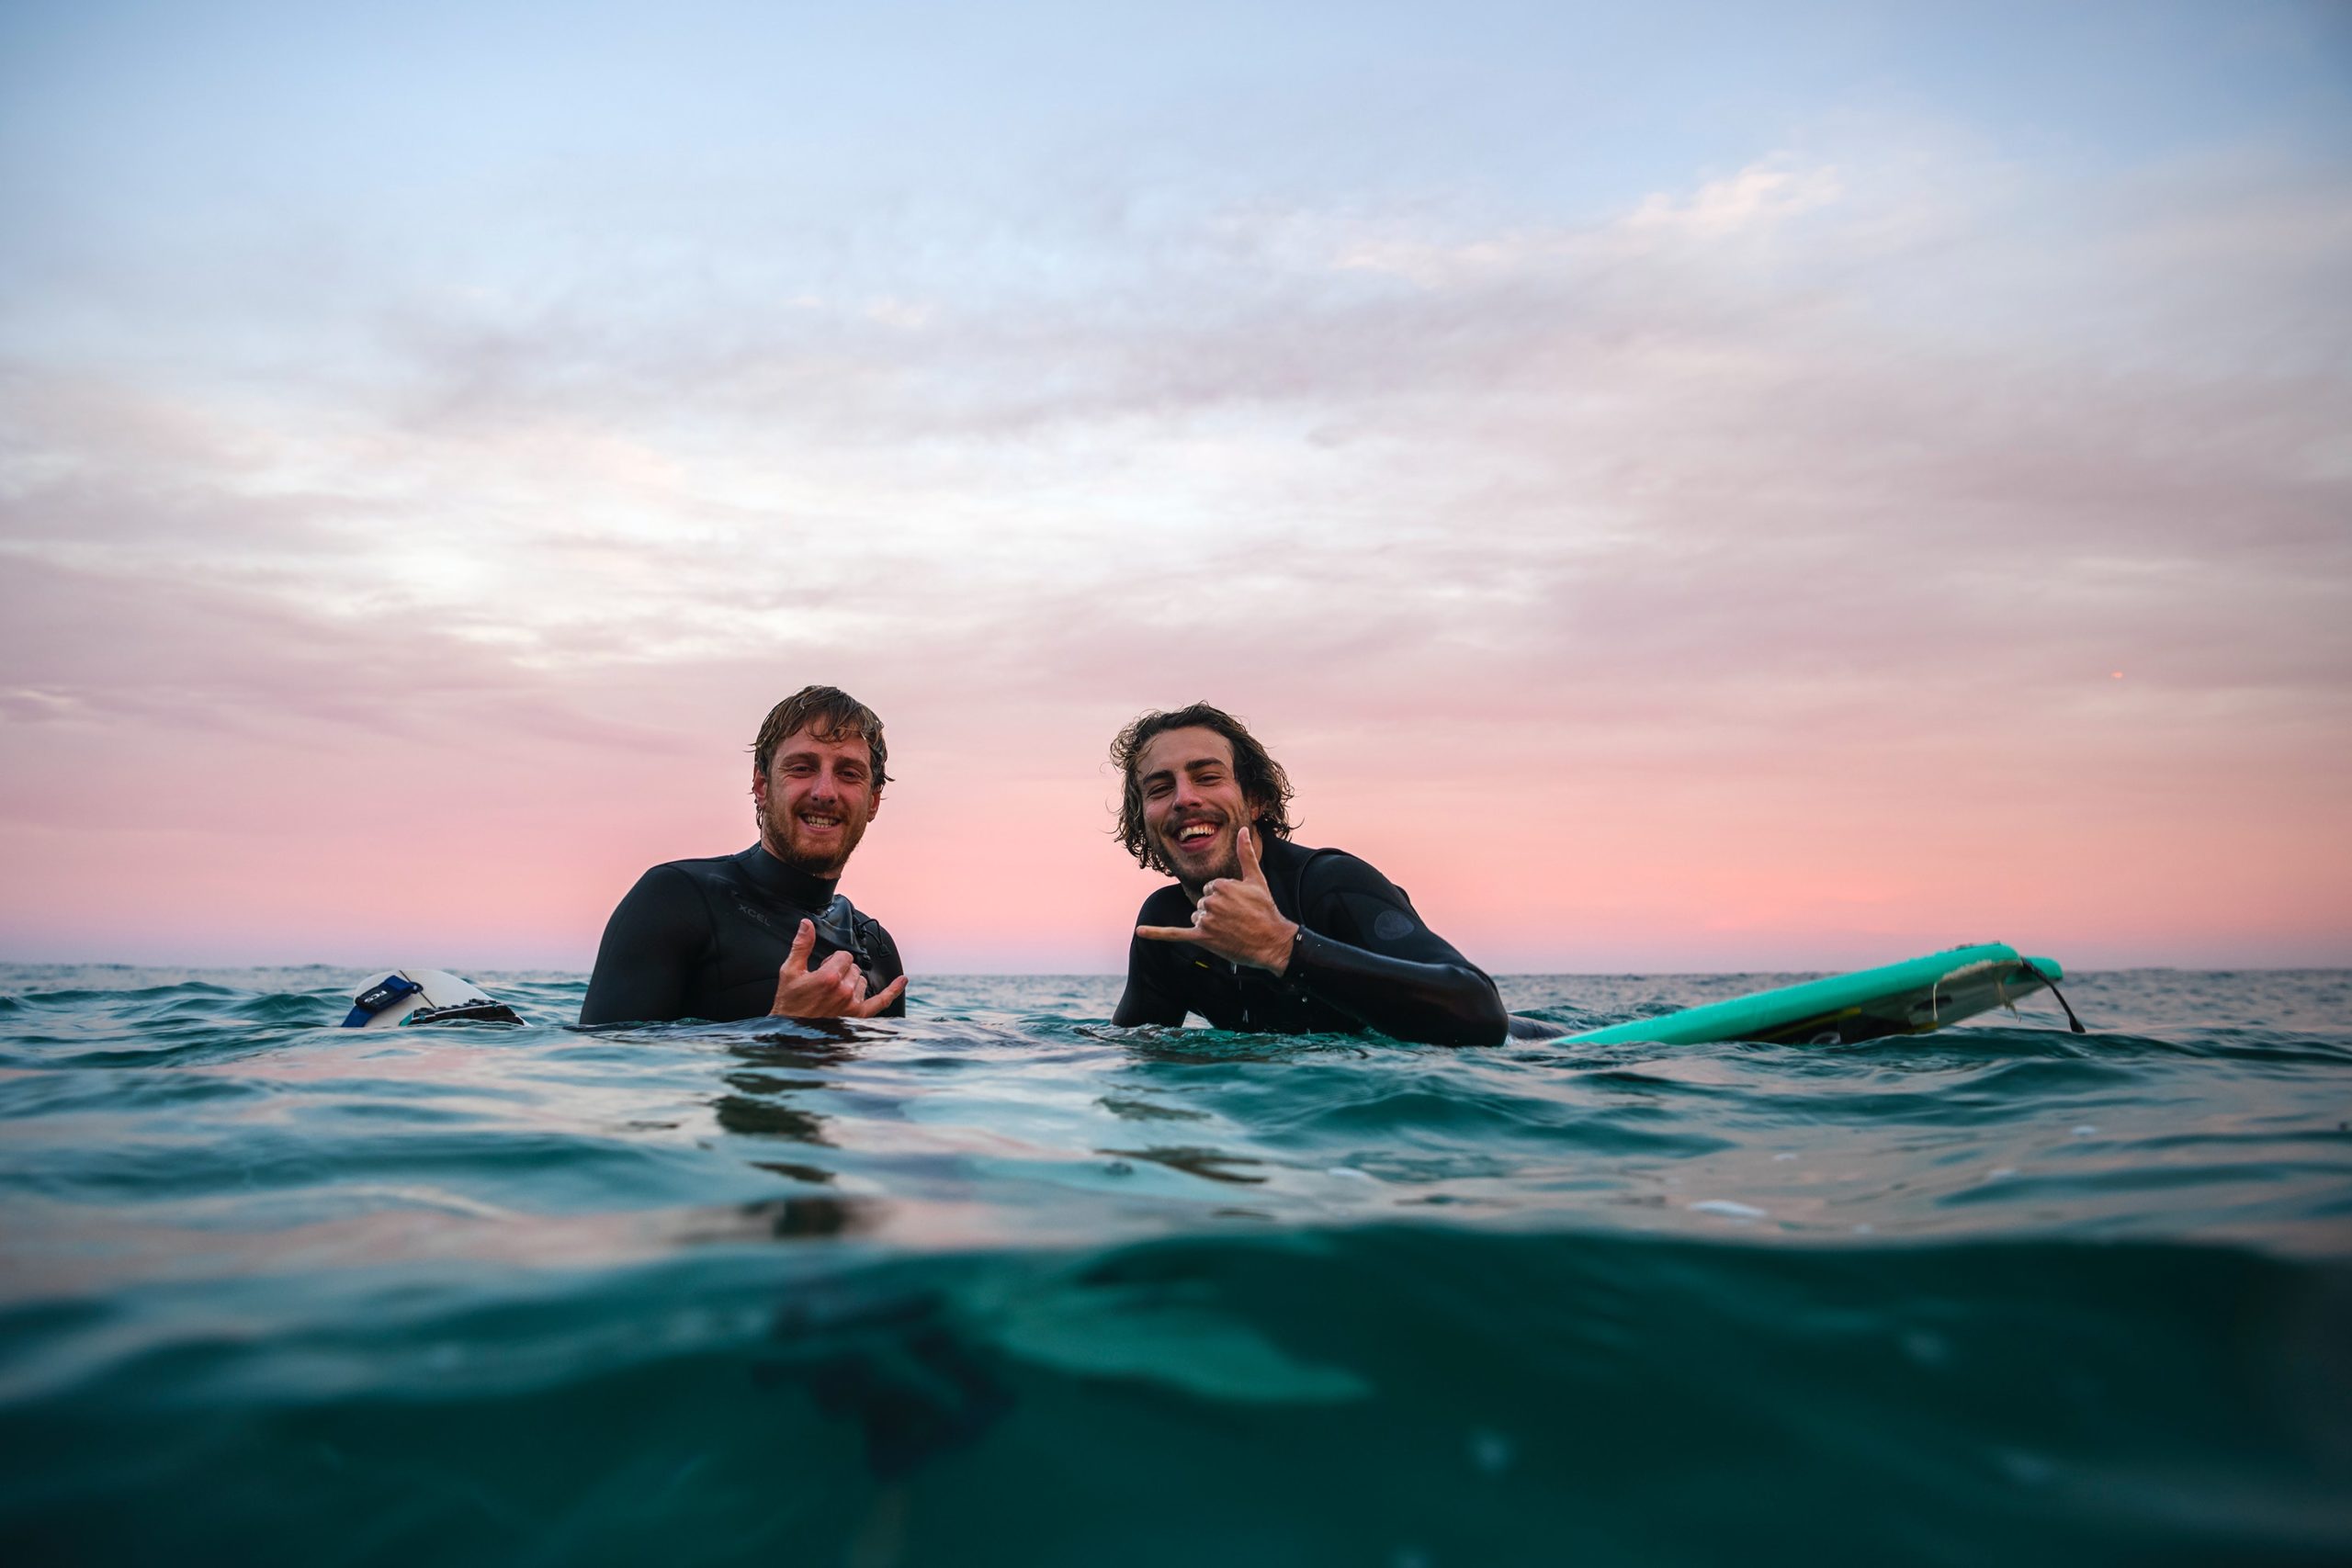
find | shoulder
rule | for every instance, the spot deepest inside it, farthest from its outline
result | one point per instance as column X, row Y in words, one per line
column 666, row 906
column 683, row 873
column 1325, row 871
column 1339, row 893
column 709, row 884
column 683, row 880
column 671, row 879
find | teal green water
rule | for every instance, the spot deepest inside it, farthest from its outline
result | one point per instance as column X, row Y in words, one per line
column 1002, row 1284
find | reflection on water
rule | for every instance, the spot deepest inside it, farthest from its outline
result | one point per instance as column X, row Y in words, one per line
column 815, row 1216
column 1137, row 1110
column 811, row 1173
column 760, row 1106
column 1209, row 1163
column 787, row 1218
column 802, row 1042
column 761, row 1118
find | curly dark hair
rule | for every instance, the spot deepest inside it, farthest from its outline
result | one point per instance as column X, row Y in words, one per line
column 1264, row 782
column 829, row 714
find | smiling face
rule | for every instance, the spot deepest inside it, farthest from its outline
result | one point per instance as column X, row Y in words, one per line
column 814, row 798
column 1193, row 804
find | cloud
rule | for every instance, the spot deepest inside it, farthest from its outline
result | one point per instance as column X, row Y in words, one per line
column 1759, row 195
column 1853, row 465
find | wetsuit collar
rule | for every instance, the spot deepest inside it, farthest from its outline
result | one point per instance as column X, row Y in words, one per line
column 787, row 882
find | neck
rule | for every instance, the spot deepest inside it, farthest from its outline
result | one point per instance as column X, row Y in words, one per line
column 808, row 883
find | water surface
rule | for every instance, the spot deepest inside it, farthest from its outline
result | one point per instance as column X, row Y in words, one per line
column 999, row 1283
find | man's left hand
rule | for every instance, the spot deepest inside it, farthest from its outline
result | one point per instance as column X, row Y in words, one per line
column 1235, row 918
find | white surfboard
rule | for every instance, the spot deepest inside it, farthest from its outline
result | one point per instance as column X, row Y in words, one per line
column 425, row 996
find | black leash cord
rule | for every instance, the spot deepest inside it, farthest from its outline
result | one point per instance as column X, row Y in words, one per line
column 2062, row 999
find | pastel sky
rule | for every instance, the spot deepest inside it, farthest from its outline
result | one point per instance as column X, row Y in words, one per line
column 1738, row 487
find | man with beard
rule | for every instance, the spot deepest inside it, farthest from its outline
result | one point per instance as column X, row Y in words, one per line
column 1259, row 934
column 763, row 931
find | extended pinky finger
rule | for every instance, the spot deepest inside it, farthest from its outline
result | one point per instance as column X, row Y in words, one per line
column 873, row 1006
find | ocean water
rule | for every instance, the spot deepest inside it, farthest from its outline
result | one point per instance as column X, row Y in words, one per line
column 1001, row 1284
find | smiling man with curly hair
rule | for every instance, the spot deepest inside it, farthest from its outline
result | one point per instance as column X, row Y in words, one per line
column 1261, row 933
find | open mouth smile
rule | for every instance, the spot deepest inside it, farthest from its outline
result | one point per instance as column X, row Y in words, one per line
column 1195, row 834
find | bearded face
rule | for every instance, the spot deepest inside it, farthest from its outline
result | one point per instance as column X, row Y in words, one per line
column 813, row 800
column 1194, row 807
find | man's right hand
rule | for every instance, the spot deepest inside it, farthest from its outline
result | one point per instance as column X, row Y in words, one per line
column 835, row 988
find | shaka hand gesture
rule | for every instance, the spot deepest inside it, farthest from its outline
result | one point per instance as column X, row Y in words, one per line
column 835, row 988
column 1234, row 917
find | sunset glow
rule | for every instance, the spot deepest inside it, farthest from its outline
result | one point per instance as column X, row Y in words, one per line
column 1676, row 495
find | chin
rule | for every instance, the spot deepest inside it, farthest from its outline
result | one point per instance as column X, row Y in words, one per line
column 1231, row 869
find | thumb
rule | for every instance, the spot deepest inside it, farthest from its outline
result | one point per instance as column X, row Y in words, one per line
column 804, row 942
column 1253, row 869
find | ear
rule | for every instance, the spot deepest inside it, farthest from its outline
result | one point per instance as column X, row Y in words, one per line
column 874, row 806
column 760, row 785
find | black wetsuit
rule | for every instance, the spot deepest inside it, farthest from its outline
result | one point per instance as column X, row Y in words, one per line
column 705, row 938
column 1363, row 959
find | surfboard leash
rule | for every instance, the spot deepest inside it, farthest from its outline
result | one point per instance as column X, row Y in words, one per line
column 2062, row 999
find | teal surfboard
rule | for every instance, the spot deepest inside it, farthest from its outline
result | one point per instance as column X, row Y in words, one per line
column 1909, row 997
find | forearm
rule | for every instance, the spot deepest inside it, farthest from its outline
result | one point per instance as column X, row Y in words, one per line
column 1430, row 1004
